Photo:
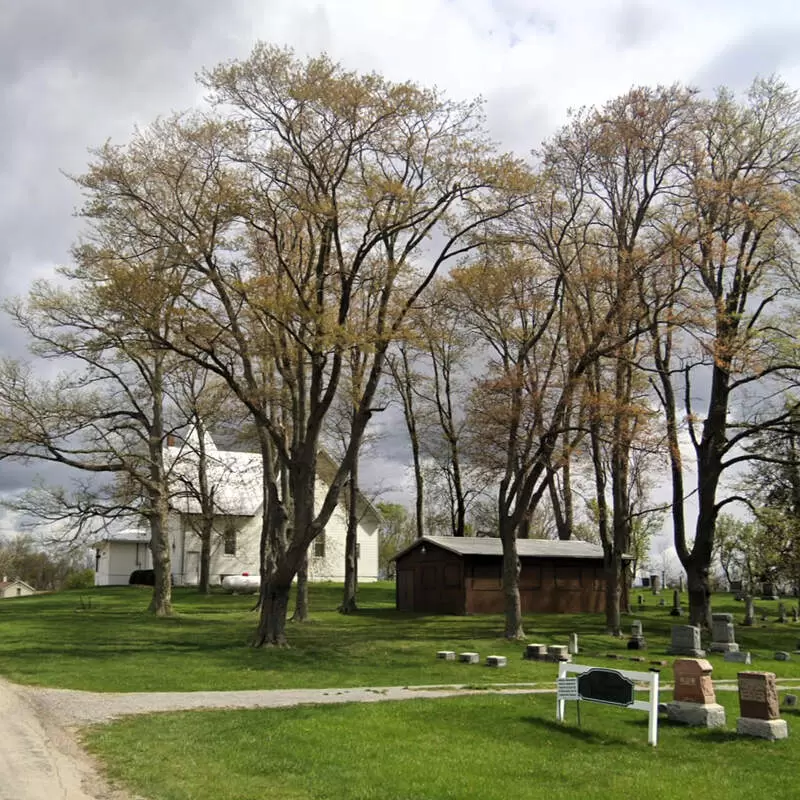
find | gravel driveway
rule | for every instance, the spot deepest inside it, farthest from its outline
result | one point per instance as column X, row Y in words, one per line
column 41, row 760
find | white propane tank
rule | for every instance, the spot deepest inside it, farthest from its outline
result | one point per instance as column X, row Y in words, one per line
column 241, row 584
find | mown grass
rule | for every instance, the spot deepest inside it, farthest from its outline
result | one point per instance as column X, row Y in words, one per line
column 103, row 640
column 488, row 747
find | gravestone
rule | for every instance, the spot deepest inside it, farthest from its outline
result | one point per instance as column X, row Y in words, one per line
column 769, row 592
column 641, row 600
column 781, row 612
column 758, row 706
column 680, row 583
column 737, row 589
column 662, row 602
column 795, row 614
column 782, row 655
column 572, row 647
column 686, row 642
column 749, row 611
column 723, row 639
column 655, row 584
column 535, row 652
column 736, row 656
column 637, row 641
column 447, row 655
column 558, row 652
column 694, row 701
column 676, row 611
column 790, row 700
column 496, row 661
column 469, row 658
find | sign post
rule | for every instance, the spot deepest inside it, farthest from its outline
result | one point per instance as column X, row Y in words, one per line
column 610, row 686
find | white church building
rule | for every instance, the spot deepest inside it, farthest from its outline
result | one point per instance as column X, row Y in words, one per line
column 236, row 481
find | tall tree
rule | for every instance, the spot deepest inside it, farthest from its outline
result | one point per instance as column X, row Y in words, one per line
column 401, row 362
column 734, row 268
column 626, row 158
column 335, row 183
column 108, row 413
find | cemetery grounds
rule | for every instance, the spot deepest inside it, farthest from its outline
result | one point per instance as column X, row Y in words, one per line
column 488, row 744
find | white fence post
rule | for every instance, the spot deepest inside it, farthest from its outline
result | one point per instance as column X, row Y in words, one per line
column 652, row 731
column 561, row 704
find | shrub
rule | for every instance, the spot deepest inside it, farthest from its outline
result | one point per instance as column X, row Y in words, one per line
column 80, row 579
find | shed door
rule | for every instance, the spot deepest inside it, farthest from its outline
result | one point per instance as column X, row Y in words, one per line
column 405, row 589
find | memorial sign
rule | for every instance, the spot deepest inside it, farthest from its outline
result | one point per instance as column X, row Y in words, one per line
column 606, row 686
column 609, row 686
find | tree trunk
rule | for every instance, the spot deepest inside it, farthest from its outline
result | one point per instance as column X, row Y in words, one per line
column 158, row 494
column 349, row 600
column 699, row 589
column 206, row 506
column 204, row 584
column 274, row 609
column 301, row 601
column 511, row 570
column 613, row 569
column 161, row 601
column 404, row 382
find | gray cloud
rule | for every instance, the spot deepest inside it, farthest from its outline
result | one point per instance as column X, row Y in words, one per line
column 759, row 53
column 71, row 76
column 634, row 24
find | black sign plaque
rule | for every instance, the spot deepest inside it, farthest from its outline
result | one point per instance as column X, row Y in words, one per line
column 606, row 686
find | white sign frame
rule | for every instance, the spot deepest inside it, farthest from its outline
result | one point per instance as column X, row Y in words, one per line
column 651, row 678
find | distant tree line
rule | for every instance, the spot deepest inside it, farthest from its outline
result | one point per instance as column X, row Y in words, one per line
column 44, row 568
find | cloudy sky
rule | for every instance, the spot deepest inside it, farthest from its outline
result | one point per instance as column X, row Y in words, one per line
column 74, row 73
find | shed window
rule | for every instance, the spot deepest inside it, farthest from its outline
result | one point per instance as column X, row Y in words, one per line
column 319, row 546
column 230, row 542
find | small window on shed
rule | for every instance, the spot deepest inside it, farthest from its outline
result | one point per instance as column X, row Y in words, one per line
column 319, row 546
column 230, row 541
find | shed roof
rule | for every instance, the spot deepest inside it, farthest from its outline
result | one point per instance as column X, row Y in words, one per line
column 487, row 546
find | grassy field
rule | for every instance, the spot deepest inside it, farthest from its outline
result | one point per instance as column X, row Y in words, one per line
column 102, row 640
column 485, row 747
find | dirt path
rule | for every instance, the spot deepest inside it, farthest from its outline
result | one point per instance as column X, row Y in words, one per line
column 40, row 758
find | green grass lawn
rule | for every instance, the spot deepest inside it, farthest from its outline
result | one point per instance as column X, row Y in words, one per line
column 103, row 640
column 490, row 746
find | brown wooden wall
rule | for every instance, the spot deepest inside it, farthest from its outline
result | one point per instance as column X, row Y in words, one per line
column 563, row 586
column 441, row 582
column 432, row 583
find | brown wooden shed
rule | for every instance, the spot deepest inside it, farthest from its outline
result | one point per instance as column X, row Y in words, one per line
column 455, row 575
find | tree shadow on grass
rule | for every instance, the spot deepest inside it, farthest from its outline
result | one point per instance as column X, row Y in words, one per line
column 572, row 731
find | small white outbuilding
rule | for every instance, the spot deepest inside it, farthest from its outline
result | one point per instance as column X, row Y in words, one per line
column 15, row 588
